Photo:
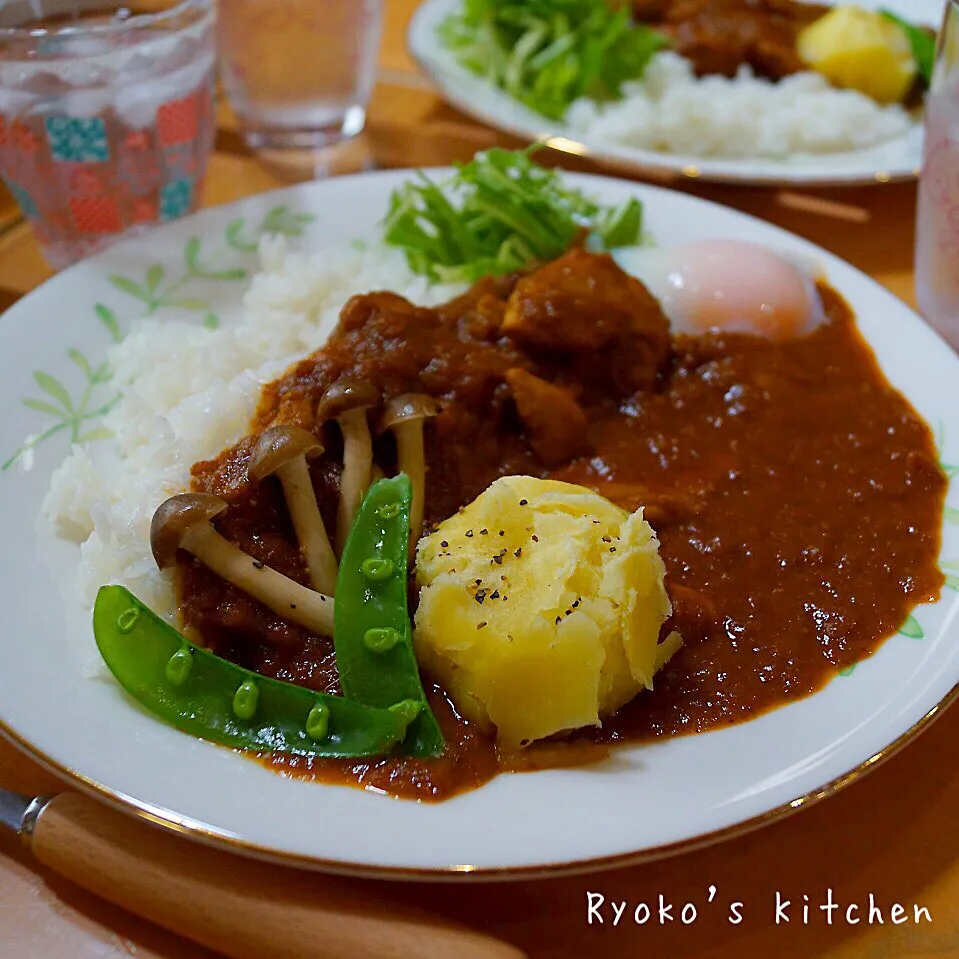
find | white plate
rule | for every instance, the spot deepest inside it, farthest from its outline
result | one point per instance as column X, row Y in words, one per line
column 897, row 159
column 646, row 801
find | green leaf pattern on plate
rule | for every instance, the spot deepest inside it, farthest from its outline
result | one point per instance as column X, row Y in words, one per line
column 912, row 629
column 70, row 415
column 109, row 319
column 949, row 469
column 279, row 220
column 73, row 405
column 201, row 264
column 952, row 575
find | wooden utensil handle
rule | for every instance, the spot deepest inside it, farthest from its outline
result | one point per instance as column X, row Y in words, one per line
column 243, row 908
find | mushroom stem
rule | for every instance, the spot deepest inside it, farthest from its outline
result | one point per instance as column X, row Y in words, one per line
column 411, row 459
column 283, row 451
column 288, row 599
column 300, row 496
column 355, row 479
column 404, row 415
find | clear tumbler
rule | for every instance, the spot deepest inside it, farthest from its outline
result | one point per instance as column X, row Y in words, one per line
column 299, row 73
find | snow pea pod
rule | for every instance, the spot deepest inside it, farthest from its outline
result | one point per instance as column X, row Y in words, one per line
column 211, row 698
column 372, row 635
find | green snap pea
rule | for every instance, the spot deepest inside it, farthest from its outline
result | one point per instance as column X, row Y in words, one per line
column 127, row 619
column 213, row 699
column 377, row 570
column 318, row 722
column 380, row 639
column 408, row 709
column 245, row 700
column 372, row 636
column 179, row 666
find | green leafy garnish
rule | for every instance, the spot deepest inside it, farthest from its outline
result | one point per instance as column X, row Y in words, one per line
column 923, row 45
column 548, row 53
column 498, row 213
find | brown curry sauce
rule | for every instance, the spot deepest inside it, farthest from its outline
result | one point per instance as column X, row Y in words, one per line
column 797, row 497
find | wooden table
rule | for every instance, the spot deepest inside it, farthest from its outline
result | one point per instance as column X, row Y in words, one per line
column 893, row 834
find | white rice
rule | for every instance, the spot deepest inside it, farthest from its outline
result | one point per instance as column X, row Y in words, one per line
column 672, row 111
column 189, row 392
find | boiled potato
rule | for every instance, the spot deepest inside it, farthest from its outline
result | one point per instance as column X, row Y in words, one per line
column 540, row 608
column 860, row 50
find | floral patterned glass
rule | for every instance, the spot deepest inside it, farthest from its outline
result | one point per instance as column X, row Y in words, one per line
column 937, row 222
column 106, row 117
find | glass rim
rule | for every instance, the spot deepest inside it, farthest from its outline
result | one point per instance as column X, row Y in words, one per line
column 108, row 29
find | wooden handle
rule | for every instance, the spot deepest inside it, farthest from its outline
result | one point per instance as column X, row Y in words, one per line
column 240, row 907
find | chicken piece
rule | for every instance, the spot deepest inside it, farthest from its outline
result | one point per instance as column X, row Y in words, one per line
column 721, row 42
column 720, row 36
column 650, row 11
column 584, row 304
column 582, row 301
column 802, row 13
column 391, row 313
column 555, row 424
column 486, row 289
column 483, row 320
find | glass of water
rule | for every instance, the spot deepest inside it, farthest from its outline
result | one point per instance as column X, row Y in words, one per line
column 299, row 73
column 106, row 116
column 937, row 220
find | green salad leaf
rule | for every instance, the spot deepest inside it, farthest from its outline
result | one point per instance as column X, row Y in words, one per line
column 923, row 45
column 548, row 53
column 496, row 214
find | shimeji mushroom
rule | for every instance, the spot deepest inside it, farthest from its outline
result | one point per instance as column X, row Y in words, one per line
column 347, row 402
column 184, row 522
column 404, row 415
column 283, row 451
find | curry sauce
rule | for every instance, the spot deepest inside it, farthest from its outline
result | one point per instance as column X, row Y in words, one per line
column 796, row 494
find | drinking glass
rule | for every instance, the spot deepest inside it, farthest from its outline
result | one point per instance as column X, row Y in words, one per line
column 299, row 73
column 937, row 220
column 106, row 116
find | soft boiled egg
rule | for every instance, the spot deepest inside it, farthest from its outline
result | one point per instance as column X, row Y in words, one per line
column 732, row 286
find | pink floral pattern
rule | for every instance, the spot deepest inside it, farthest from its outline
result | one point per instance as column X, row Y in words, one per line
column 83, row 180
column 940, row 182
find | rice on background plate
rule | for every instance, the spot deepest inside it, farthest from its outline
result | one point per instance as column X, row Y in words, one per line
column 189, row 392
column 672, row 111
